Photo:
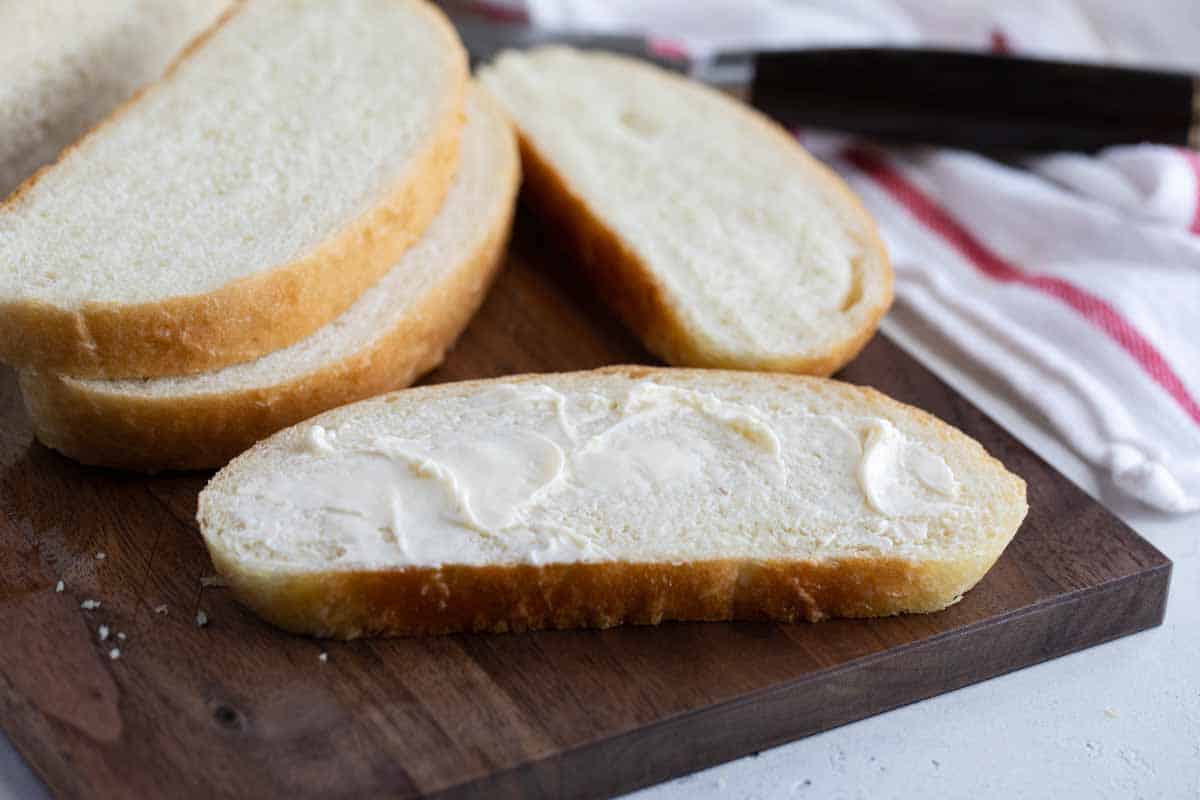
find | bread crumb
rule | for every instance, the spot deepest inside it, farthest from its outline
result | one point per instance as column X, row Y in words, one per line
column 215, row 581
column 100, row 556
column 324, row 657
column 58, row 587
column 90, row 605
column 201, row 619
column 1111, row 713
column 103, row 632
column 160, row 609
column 115, row 653
column 120, row 636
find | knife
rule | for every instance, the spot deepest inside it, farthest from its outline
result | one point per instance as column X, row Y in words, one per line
column 977, row 101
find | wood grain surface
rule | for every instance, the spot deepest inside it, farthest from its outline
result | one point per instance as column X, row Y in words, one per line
column 238, row 709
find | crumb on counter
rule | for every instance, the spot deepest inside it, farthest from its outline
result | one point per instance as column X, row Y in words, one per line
column 120, row 636
column 90, row 605
column 162, row 609
column 115, row 653
column 58, row 587
column 324, row 657
column 103, row 631
column 201, row 619
column 1111, row 713
column 100, row 556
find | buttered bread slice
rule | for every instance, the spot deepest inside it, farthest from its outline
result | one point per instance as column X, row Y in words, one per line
column 397, row 330
column 278, row 170
column 712, row 233
column 623, row 495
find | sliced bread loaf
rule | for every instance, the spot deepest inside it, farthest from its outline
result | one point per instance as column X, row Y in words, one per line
column 67, row 63
column 626, row 494
column 279, row 169
column 716, row 237
column 397, row 330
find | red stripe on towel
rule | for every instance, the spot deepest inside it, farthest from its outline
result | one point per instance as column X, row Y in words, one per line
column 999, row 42
column 1093, row 308
column 499, row 12
column 669, row 49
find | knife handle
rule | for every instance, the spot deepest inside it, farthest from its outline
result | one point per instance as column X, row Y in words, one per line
column 974, row 100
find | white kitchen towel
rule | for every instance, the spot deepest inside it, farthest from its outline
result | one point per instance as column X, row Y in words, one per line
column 1073, row 279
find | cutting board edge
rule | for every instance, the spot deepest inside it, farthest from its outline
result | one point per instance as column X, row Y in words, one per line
column 553, row 776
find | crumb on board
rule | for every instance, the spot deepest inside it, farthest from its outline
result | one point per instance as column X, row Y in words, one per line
column 90, row 605
column 120, row 636
column 201, row 619
column 100, row 556
column 115, row 653
column 323, row 657
column 161, row 609
column 58, row 587
column 103, row 631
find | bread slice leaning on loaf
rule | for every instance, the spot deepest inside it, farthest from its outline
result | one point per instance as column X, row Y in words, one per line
column 621, row 495
column 713, row 234
column 277, row 171
column 396, row 331
column 67, row 63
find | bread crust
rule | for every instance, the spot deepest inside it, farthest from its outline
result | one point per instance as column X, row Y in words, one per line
column 520, row 597
column 258, row 313
column 628, row 284
column 148, row 433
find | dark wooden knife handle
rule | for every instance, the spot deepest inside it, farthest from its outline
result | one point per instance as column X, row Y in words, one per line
column 974, row 100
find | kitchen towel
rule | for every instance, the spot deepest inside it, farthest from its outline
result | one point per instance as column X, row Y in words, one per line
column 1073, row 279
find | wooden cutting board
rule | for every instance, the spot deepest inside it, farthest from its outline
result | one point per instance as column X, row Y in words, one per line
column 238, row 709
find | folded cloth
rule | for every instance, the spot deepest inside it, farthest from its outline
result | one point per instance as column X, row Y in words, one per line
column 1074, row 280
column 1088, row 314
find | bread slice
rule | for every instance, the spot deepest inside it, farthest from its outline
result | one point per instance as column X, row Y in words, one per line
column 67, row 63
column 621, row 495
column 396, row 331
column 249, row 197
column 713, row 234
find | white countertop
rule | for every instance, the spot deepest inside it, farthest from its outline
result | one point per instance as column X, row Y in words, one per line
column 1121, row 720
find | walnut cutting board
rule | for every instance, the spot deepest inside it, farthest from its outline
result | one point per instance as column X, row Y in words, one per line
column 238, row 709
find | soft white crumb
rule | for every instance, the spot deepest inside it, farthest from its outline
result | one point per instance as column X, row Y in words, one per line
column 215, row 581
column 323, row 657
column 1111, row 713
column 58, row 587
column 160, row 609
column 115, row 653
column 90, row 605
column 120, row 636
column 101, row 556
column 103, row 630
column 201, row 619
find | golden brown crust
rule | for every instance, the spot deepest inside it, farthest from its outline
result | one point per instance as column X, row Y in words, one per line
column 500, row 599
column 251, row 316
column 154, row 433
column 629, row 286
